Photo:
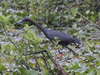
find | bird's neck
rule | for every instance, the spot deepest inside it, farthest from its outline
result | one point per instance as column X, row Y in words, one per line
column 36, row 24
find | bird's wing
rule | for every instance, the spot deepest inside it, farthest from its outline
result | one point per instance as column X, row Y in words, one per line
column 61, row 36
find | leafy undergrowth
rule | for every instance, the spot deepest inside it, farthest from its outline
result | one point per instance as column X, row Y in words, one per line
column 17, row 54
column 20, row 48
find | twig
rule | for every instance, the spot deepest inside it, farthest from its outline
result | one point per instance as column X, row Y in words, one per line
column 89, row 20
column 45, row 61
column 37, row 65
column 58, row 67
column 11, row 40
column 25, row 64
column 18, row 48
column 34, row 57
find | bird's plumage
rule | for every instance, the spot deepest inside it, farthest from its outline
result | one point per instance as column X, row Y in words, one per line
column 65, row 39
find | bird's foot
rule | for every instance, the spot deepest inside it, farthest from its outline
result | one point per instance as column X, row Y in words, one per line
column 60, row 52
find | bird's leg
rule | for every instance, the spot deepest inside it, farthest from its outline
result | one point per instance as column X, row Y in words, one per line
column 77, row 45
column 71, row 50
column 60, row 51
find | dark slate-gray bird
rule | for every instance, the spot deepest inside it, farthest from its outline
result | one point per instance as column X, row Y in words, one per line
column 65, row 39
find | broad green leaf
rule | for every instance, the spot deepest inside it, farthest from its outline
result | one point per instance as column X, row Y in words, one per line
column 34, row 72
column 44, row 72
column 91, row 73
column 92, row 18
column 87, row 12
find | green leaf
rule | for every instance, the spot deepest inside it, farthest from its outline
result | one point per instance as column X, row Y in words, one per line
column 87, row 12
column 91, row 73
column 87, row 35
column 75, row 66
column 74, row 11
column 44, row 72
column 10, row 73
column 74, row 26
column 34, row 72
column 92, row 18
column 2, row 68
column 5, row 19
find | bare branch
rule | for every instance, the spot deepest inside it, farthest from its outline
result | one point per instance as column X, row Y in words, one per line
column 25, row 64
column 58, row 67
column 11, row 40
column 89, row 20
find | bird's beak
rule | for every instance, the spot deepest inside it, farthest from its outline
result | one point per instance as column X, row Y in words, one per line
column 19, row 21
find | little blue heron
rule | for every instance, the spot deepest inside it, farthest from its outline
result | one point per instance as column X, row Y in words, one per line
column 65, row 39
